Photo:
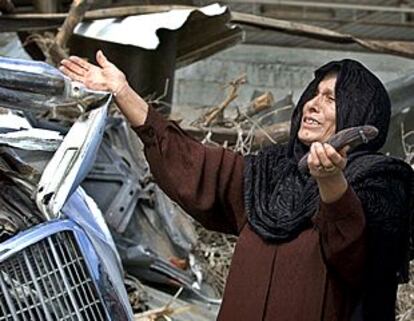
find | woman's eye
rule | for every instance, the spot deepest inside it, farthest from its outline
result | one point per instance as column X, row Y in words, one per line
column 331, row 99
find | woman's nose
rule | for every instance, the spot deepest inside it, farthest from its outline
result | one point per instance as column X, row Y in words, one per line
column 313, row 104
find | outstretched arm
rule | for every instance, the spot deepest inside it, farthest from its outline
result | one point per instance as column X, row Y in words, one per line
column 207, row 182
column 108, row 77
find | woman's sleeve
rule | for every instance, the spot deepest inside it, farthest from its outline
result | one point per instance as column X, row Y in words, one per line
column 342, row 235
column 367, row 240
column 207, row 182
column 387, row 212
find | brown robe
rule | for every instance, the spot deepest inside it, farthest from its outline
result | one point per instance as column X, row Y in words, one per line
column 311, row 278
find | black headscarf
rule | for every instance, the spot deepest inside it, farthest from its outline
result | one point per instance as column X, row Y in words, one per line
column 280, row 200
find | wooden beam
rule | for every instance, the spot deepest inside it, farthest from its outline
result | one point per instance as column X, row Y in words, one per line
column 294, row 28
column 399, row 48
column 327, row 5
column 274, row 14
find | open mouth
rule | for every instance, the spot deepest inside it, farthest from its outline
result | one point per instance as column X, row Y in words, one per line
column 311, row 121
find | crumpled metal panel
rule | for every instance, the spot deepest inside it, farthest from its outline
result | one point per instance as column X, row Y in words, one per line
column 71, row 162
column 154, row 237
column 17, row 210
column 32, row 139
column 36, row 86
column 113, row 182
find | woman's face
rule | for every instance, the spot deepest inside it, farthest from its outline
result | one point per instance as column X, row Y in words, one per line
column 318, row 122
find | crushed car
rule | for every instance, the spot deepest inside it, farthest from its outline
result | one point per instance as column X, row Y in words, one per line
column 78, row 205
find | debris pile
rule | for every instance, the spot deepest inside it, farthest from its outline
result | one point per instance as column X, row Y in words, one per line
column 214, row 251
column 246, row 128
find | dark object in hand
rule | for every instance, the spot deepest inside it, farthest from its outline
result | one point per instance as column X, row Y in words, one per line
column 352, row 137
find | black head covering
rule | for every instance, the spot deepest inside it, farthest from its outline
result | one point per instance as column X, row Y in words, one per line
column 361, row 99
column 280, row 200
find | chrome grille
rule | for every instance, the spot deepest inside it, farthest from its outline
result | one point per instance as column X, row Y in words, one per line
column 49, row 281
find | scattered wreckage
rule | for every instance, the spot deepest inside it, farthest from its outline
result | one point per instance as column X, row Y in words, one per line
column 70, row 225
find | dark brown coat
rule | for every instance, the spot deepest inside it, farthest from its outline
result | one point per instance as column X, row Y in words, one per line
column 311, row 278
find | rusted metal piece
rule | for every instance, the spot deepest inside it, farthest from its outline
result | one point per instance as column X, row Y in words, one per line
column 6, row 6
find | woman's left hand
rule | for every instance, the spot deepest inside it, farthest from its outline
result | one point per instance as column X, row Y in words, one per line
column 324, row 161
column 326, row 165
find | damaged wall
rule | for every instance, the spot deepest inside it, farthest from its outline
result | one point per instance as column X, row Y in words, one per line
column 280, row 70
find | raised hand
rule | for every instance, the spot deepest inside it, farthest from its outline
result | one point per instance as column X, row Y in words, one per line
column 105, row 77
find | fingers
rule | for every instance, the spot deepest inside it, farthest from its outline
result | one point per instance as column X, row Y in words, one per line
column 337, row 159
column 80, row 62
column 344, row 151
column 313, row 160
column 322, row 155
column 101, row 59
column 74, row 67
column 324, row 158
column 72, row 75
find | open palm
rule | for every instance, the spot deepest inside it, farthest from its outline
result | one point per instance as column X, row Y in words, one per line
column 106, row 76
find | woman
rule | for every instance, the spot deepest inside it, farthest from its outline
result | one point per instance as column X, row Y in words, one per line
column 329, row 245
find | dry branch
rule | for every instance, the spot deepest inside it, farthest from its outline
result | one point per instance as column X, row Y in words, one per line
column 165, row 311
column 77, row 10
column 213, row 113
column 155, row 314
column 53, row 47
column 259, row 104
